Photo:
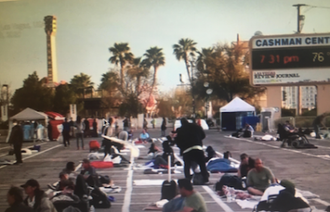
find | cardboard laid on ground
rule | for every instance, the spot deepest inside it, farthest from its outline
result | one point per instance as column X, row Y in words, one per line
column 148, row 182
column 134, row 150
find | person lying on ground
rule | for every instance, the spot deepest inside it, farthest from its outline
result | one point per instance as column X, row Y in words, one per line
column 36, row 198
column 190, row 200
column 259, row 178
column 247, row 163
column 144, row 136
column 15, row 201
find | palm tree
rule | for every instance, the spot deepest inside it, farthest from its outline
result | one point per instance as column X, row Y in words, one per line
column 121, row 55
column 137, row 70
column 185, row 49
column 82, row 84
column 109, row 81
column 204, row 57
column 154, row 58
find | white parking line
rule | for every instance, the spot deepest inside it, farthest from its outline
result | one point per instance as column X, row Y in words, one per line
column 39, row 153
column 22, row 148
column 276, row 147
column 129, row 188
column 217, row 199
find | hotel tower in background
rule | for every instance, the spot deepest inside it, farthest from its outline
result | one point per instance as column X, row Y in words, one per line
column 50, row 29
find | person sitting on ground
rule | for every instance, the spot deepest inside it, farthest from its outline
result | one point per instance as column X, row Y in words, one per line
column 15, row 201
column 144, row 136
column 227, row 155
column 36, row 198
column 162, row 160
column 91, row 177
column 88, row 172
column 247, row 163
column 190, row 200
column 70, row 170
column 248, row 131
column 286, row 200
column 259, row 178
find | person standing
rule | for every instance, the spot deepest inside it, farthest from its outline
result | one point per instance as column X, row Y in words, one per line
column 318, row 121
column 189, row 139
column 16, row 139
column 153, row 122
column 71, row 123
column 79, row 132
column 66, row 132
column 145, row 124
column 15, row 201
column 86, row 130
column 163, row 127
column 125, row 124
column 50, row 131
column 94, row 128
column 109, row 131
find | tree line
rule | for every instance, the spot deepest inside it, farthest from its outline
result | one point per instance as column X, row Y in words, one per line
column 123, row 85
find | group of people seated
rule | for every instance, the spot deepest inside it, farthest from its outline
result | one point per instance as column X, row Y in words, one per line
column 73, row 189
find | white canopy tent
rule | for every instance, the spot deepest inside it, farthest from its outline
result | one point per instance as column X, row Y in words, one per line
column 27, row 114
column 236, row 105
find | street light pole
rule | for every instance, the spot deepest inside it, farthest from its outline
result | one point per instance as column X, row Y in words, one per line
column 192, row 87
column 299, row 28
column 5, row 106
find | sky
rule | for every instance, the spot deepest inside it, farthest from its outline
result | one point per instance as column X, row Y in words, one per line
column 86, row 29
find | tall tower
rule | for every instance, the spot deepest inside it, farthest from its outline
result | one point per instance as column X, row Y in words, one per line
column 50, row 29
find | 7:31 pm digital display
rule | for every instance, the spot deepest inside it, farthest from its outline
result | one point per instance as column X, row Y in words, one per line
column 287, row 58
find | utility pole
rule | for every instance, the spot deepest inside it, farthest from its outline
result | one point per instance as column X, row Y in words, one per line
column 300, row 18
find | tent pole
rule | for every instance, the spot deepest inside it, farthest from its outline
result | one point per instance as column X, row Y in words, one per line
column 220, row 122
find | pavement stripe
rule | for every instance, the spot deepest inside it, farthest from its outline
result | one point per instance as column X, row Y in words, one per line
column 322, row 202
column 276, row 147
column 129, row 188
column 39, row 153
column 22, row 148
column 216, row 198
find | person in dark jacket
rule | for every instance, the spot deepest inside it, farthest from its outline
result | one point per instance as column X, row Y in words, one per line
column 189, row 139
column 15, row 201
column 50, row 131
column 94, row 128
column 36, row 198
column 16, row 139
column 87, row 128
column 163, row 127
column 66, row 132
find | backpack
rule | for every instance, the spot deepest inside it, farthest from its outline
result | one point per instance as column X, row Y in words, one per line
column 71, row 209
column 100, row 199
column 230, row 181
column 198, row 179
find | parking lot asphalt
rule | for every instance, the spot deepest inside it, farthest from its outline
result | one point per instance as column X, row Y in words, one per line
column 308, row 168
